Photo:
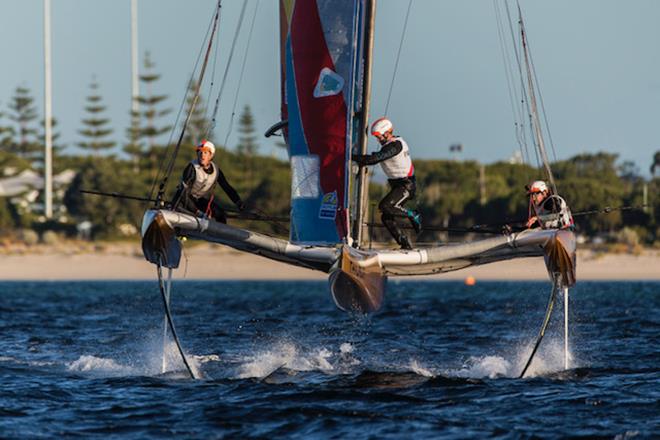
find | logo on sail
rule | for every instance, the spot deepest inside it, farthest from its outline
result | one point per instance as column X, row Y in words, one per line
column 328, row 208
column 329, row 83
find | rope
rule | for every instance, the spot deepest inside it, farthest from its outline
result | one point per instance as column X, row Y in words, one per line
column 513, row 97
column 534, row 116
column 212, row 84
column 240, row 78
column 158, row 175
column 170, row 165
column 524, row 101
column 224, row 76
column 398, row 55
column 545, row 114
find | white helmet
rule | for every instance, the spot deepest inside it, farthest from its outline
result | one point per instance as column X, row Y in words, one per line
column 381, row 126
column 206, row 145
column 537, row 186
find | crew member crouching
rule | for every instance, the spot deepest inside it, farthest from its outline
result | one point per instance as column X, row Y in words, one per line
column 547, row 210
column 195, row 193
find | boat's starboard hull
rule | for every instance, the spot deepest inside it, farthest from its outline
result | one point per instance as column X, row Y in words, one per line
column 159, row 241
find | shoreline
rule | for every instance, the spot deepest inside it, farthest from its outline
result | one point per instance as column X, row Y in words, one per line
column 213, row 262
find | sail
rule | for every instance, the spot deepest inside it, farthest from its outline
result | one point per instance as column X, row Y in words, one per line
column 321, row 86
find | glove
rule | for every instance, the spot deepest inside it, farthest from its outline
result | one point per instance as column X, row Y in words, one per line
column 360, row 159
column 241, row 205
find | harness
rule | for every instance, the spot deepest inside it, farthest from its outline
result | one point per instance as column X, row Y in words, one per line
column 548, row 218
column 399, row 166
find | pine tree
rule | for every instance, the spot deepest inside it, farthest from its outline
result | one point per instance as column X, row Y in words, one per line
column 656, row 163
column 150, row 102
column 56, row 148
column 247, row 141
column 134, row 147
column 24, row 114
column 95, row 132
column 247, row 146
column 6, row 135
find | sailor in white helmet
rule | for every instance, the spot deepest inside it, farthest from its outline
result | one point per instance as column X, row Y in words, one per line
column 195, row 192
column 547, row 210
column 394, row 158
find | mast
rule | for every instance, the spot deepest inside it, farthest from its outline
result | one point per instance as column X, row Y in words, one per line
column 48, row 110
column 538, row 135
column 361, row 179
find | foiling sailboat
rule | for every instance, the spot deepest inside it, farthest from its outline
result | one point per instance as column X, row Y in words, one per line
column 325, row 54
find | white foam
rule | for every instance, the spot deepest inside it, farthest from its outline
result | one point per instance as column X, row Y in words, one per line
column 87, row 363
column 478, row 367
column 417, row 368
column 289, row 355
column 264, row 363
column 170, row 360
column 346, row 348
column 204, row 358
column 549, row 359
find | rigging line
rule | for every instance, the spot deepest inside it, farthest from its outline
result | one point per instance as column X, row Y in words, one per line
column 210, row 93
column 170, row 165
column 506, row 61
column 534, row 115
column 544, row 326
column 545, row 115
column 158, row 175
column 224, row 76
column 240, row 78
column 398, row 55
column 168, row 314
column 273, row 221
column 524, row 101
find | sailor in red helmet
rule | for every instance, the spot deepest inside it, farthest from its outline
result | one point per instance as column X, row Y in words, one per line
column 394, row 158
column 547, row 210
column 195, row 192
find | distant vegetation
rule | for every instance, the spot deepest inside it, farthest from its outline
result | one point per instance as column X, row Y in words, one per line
column 450, row 193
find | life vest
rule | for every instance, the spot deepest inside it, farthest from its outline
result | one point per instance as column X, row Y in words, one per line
column 401, row 165
column 204, row 182
column 549, row 218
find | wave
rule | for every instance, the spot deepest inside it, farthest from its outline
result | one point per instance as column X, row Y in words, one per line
column 100, row 365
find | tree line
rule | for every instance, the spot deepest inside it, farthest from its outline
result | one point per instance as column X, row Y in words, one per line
column 451, row 193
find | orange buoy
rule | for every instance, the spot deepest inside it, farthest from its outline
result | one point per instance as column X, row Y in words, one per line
column 470, row 281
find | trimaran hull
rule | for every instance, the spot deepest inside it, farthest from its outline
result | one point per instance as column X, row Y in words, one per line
column 358, row 277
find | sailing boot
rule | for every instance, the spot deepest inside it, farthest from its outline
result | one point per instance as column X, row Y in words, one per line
column 404, row 242
column 415, row 220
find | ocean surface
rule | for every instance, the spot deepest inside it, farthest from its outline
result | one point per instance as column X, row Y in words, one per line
column 278, row 360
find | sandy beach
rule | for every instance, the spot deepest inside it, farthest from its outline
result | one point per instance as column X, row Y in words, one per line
column 125, row 262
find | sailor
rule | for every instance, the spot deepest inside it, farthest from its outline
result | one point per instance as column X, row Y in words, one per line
column 195, row 192
column 394, row 158
column 547, row 210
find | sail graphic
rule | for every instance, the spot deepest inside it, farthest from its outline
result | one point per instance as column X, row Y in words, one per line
column 325, row 57
column 320, row 71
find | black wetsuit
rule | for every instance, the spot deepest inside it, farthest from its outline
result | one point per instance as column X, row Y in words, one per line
column 401, row 190
column 206, row 205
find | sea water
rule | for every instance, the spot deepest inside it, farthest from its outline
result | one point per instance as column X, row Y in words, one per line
column 277, row 359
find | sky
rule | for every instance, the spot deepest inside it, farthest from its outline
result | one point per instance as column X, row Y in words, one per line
column 597, row 61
